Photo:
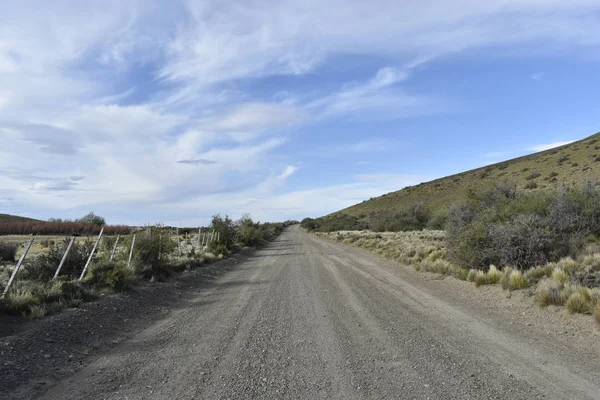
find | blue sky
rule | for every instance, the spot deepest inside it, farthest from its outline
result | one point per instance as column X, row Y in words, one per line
column 172, row 111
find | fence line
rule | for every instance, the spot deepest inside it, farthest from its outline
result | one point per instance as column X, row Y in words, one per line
column 203, row 240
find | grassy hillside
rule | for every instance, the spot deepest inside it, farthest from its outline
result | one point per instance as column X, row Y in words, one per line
column 16, row 218
column 574, row 164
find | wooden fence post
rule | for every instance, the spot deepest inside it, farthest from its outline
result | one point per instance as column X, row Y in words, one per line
column 186, row 244
column 114, row 250
column 159, row 245
column 87, row 264
column 178, row 244
column 64, row 258
column 199, row 234
column 12, row 277
column 131, row 251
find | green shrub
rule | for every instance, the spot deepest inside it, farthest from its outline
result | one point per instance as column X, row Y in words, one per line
column 415, row 217
column 533, row 176
column 8, row 251
column 110, row 274
column 151, row 255
column 531, row 185
column 226, row 230
column 505, row 227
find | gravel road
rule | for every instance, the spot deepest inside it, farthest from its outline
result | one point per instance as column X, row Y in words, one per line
column 306, row 318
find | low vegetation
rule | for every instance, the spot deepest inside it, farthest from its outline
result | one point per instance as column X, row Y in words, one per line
column 155, row 257
column 570, row 282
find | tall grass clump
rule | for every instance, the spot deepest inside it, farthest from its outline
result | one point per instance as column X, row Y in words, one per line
column 514, row 280
column 494, row 275
column 549, row 295
column 560, row 276
column 579, row 302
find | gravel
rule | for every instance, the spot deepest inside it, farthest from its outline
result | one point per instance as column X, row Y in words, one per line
column 302, row 318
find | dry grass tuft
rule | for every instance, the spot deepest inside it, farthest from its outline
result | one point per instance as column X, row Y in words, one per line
column 472, row 275
column 578, row 303
column 481, row 278
column 461, row 273
column 514, row 280
column 494, row 275
column 560, row 276
column 36, row 312
column 22, row 300
column 549, row 295
column 597, row 313
column 568, row 265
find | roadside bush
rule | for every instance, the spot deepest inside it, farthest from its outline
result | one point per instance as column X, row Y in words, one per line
column 438, row 220
column 110, row 274
column 8, row 251
column 226, row 230
column 309, row 224
column 249, row 233
column 505, row 227
column 151, row 255
column 414, row 218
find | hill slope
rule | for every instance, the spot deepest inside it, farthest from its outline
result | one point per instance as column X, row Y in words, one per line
column 16, row 218
column 574, row 164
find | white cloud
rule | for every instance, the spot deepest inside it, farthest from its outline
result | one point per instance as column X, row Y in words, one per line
column 548, row 146
column 244, row 121
column 538, row 76
column 373, row 99
column 289, row 171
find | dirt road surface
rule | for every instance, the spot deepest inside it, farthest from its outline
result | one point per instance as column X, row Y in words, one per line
column 306, row 318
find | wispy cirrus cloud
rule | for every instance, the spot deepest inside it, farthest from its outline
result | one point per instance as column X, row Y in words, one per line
column 197, row 161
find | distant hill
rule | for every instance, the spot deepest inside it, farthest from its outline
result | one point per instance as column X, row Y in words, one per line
column 16, row 218
column 575, row 164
